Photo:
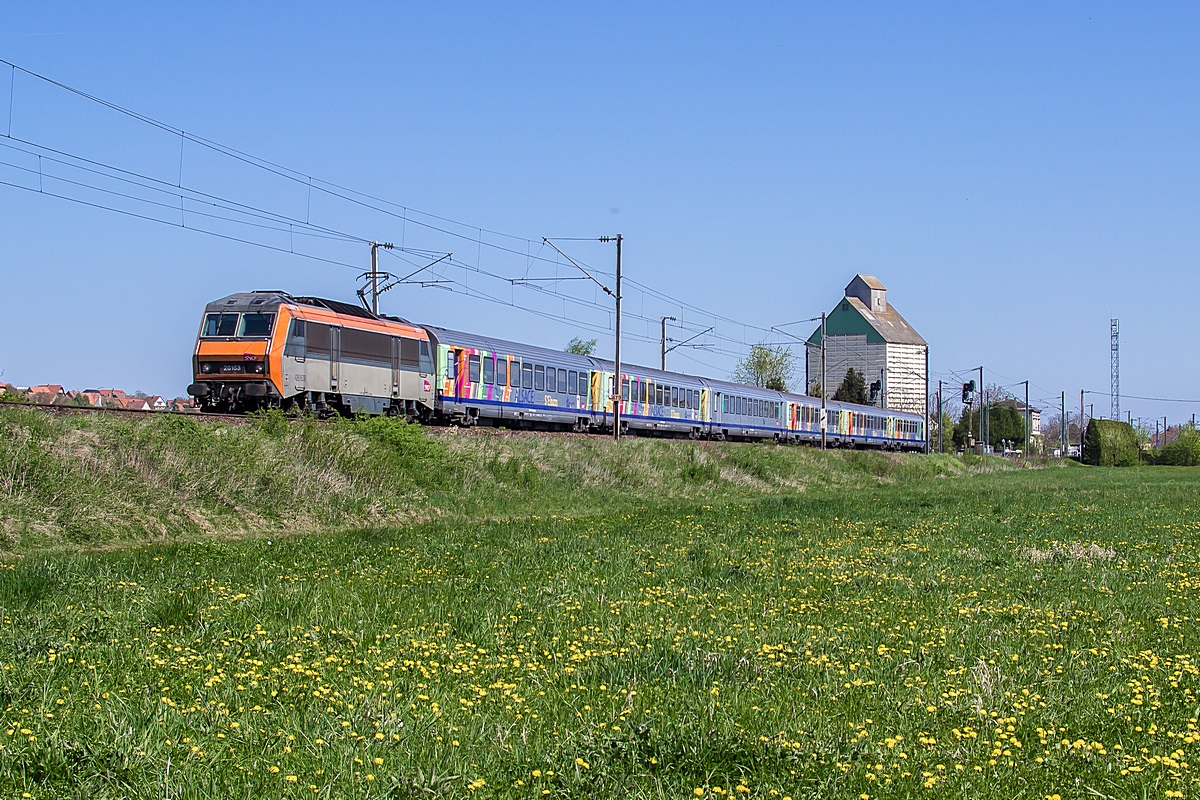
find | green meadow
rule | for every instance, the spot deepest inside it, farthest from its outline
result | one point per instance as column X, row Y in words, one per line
column 366, row 609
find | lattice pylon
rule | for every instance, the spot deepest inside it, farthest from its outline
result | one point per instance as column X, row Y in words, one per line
column 1115, row 348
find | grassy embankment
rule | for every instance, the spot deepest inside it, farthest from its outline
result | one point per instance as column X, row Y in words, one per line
column 1020, row 633
column 86, row 481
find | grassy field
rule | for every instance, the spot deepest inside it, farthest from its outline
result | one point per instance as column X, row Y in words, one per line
column 746, row 622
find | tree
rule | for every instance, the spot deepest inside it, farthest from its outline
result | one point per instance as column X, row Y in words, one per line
column 1005, row 423
column 581, row 347
column 853, row 388
column 815, row 389
column 768, row 366
column 10, row 396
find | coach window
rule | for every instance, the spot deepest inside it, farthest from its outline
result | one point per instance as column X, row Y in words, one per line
column 501, row 371
column 572, row 382
column 473, row 368
column 451, row 365
column 562, row 380
column 425, row 363
column 625, row 389
column 539, row 377
column 584, row 380
column 526, row 375
column 489, row 370
column 551, row 383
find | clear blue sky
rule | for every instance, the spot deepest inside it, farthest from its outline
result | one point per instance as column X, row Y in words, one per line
column 1016, row 174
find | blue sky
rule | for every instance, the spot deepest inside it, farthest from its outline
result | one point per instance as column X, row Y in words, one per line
column 1016, row 174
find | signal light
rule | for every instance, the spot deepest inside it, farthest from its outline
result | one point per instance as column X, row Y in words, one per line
column 968, row 389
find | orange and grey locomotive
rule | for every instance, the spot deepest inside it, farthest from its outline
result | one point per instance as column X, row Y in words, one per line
column 272, row 350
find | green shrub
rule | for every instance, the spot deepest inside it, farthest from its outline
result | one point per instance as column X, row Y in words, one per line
column 1109, row 443
column 1184, row 451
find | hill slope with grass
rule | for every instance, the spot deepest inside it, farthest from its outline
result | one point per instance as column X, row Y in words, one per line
column 91, row 480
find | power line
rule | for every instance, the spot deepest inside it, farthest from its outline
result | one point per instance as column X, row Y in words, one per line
column 308, row 182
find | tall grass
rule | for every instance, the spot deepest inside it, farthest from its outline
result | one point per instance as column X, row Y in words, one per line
column 87, row 481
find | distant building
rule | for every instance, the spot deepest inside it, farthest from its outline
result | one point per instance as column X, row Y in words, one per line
column 45, row 393
column 133, row 403
column 867, row 333
column 1035, row 420
column 156, row 403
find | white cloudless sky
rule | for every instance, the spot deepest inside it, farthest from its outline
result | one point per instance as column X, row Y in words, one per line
column 1016, row 174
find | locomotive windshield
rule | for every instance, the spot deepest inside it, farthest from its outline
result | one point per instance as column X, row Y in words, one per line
column 252, row 326
column 220, row 325
column 257, row 324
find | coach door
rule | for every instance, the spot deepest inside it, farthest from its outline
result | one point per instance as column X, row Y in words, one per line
column 335, row 356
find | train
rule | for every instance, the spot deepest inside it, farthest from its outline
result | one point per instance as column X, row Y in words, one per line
column 269, row 349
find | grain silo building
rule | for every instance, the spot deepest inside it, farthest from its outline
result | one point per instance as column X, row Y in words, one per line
column 867, row 333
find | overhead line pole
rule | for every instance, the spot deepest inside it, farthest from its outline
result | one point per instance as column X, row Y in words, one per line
column 941, row 440
column 616, row 395
column 662, row 348
column 375, row 273
column 824, row 388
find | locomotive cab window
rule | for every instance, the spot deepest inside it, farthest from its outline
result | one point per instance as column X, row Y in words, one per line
column 257, row 325
column 220, row 325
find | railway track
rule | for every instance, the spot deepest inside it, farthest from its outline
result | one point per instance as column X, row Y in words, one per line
column 242, row 419
column 63, row 411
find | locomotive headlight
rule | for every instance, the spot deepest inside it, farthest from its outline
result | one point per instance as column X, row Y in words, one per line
column 206, row 368
column 255, row 368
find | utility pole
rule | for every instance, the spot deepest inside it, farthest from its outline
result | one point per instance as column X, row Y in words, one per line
column 941, row 438
column 1025, row 453
column 982, row 405
column 617, row 355
column 662, row 349
column 824, row 388
column 928, row 441
column 1062, row 416
column 1081, row 424
column 374, row 274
